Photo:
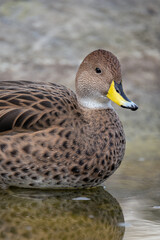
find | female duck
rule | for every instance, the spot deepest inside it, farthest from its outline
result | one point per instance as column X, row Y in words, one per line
column 52, row 137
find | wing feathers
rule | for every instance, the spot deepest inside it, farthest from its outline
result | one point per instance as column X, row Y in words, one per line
column 33, row 106
column 7, row 119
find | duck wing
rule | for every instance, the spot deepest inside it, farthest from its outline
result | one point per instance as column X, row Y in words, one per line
column 28, row 106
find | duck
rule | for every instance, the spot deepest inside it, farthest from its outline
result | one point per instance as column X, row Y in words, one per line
column 52, row 137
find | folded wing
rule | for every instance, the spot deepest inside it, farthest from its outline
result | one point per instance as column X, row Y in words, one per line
column 27, row 106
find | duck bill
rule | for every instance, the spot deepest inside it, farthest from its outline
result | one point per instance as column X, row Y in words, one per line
column 117, row 95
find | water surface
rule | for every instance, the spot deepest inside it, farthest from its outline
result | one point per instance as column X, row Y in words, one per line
column 83, row 214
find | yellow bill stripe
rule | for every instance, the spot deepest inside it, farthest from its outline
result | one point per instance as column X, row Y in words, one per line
column 114, row 96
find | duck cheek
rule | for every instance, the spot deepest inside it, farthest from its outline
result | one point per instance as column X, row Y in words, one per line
column 104, row 89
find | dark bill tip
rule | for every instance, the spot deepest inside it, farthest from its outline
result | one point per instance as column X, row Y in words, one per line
column 130, row 105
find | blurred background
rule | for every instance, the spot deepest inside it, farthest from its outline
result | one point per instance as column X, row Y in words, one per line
column 45, row 40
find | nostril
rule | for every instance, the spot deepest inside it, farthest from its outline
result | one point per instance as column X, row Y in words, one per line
column 117, row 90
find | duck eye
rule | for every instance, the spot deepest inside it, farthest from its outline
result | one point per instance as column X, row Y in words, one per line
column 98, row 70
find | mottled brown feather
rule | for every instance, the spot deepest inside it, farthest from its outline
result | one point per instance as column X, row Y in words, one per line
column 33, row 106
column 48, row 139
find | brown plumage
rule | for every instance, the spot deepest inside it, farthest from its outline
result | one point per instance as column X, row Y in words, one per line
column 50, row 138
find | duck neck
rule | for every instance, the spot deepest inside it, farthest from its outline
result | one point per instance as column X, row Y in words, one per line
column 95, row 103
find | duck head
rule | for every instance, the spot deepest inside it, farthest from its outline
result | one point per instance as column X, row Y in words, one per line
column 99, row 80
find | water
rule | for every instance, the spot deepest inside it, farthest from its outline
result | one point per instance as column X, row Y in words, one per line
column 83, row 214
column 139, row 198
column 45, row 40
column 132, row 212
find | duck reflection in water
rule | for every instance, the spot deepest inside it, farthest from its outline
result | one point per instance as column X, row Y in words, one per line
column 62, row 214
